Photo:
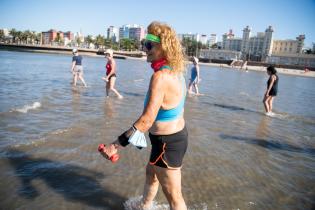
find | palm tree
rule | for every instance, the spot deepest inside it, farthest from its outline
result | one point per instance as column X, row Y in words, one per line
column 25, row 36
column 1, row 35
column 89, row 39
column 13, row 33
column 19, row 36
column 99, row 41
column 58, row 39
column 38, row 38
column 127, row 44
column 108, row 43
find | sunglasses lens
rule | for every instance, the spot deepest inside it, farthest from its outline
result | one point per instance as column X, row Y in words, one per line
column 148, row 45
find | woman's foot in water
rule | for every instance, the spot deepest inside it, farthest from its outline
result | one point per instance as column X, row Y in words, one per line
column 270, row 114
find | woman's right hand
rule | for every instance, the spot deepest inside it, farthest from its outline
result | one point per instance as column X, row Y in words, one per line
column 105, row 79
column 109, row 151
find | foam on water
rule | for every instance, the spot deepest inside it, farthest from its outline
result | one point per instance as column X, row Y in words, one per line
column 134, row 204
column 26, row 108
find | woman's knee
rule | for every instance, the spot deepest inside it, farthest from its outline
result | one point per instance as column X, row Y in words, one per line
column 172, row 193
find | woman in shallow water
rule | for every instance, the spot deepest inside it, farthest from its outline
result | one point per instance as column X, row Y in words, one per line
column 162, row 117
column 111, row 76
column 272, row 90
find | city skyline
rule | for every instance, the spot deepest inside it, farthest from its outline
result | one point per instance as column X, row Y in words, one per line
column 94, row 17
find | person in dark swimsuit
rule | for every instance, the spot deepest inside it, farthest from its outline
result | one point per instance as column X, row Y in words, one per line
column 272, row 90
column 111, row 76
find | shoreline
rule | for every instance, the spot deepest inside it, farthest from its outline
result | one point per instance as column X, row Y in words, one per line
column 292, row 72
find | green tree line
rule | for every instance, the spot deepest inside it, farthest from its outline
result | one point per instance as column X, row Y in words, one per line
column 23, row 37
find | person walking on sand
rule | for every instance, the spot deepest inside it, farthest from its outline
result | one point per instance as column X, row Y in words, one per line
column 162, row 117
column 195, row 77
column 111, row 76
column 77, row 68
column 272, row 90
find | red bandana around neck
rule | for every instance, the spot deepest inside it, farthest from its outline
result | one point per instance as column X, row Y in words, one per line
column 156, row 65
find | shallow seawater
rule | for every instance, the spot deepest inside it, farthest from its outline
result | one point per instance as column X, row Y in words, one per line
column 238, row 158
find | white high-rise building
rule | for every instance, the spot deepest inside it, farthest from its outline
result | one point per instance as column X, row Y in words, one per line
column 113, row 33
column 245, row 41
column 267, row 47
column 131, row 31
column 257, row 47
column 203, row 39
column 212, row 39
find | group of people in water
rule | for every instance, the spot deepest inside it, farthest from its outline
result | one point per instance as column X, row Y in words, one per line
column 163, row 111
column 110, row 78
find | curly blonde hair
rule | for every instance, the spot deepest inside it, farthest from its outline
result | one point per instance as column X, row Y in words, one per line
column 171, row 46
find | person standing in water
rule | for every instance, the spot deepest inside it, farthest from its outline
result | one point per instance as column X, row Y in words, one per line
column 195, row 77
column 272, row 90
column 77, row 68
column 162, row 117
column 111, row 76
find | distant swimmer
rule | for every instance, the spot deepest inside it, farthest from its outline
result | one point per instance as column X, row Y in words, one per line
column 77, row 68
column 162, row 116
column 272, row 90
column 194, row 78
column 111, row 76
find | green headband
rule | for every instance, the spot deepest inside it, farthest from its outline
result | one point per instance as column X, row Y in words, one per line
column 153, row 38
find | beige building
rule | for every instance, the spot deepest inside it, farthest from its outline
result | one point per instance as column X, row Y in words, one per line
column 220, row 54
column 288, row 46
column 292, row 59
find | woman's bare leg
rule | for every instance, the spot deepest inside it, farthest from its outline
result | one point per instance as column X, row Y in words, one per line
column 266, row 105
column 150, row 188
column 270, row 103
column 81, row 78
column 196, row 88
column 107, row 89
column 111, row 87
column 170, row 180
column 75, row 79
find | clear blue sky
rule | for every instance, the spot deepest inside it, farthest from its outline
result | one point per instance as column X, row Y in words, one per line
column 288, row 17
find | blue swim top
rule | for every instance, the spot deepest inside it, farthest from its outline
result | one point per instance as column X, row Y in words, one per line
column 170, row 114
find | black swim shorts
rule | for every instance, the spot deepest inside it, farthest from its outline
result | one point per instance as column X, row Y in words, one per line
column 113, row 75
column 168, row 150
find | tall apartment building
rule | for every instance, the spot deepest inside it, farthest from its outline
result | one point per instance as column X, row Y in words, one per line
column 257, row 47
column 113, row 33
column 212, row 39
column 288, row 46
column 131, row 32
column 203, row 39
column 136, row 33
